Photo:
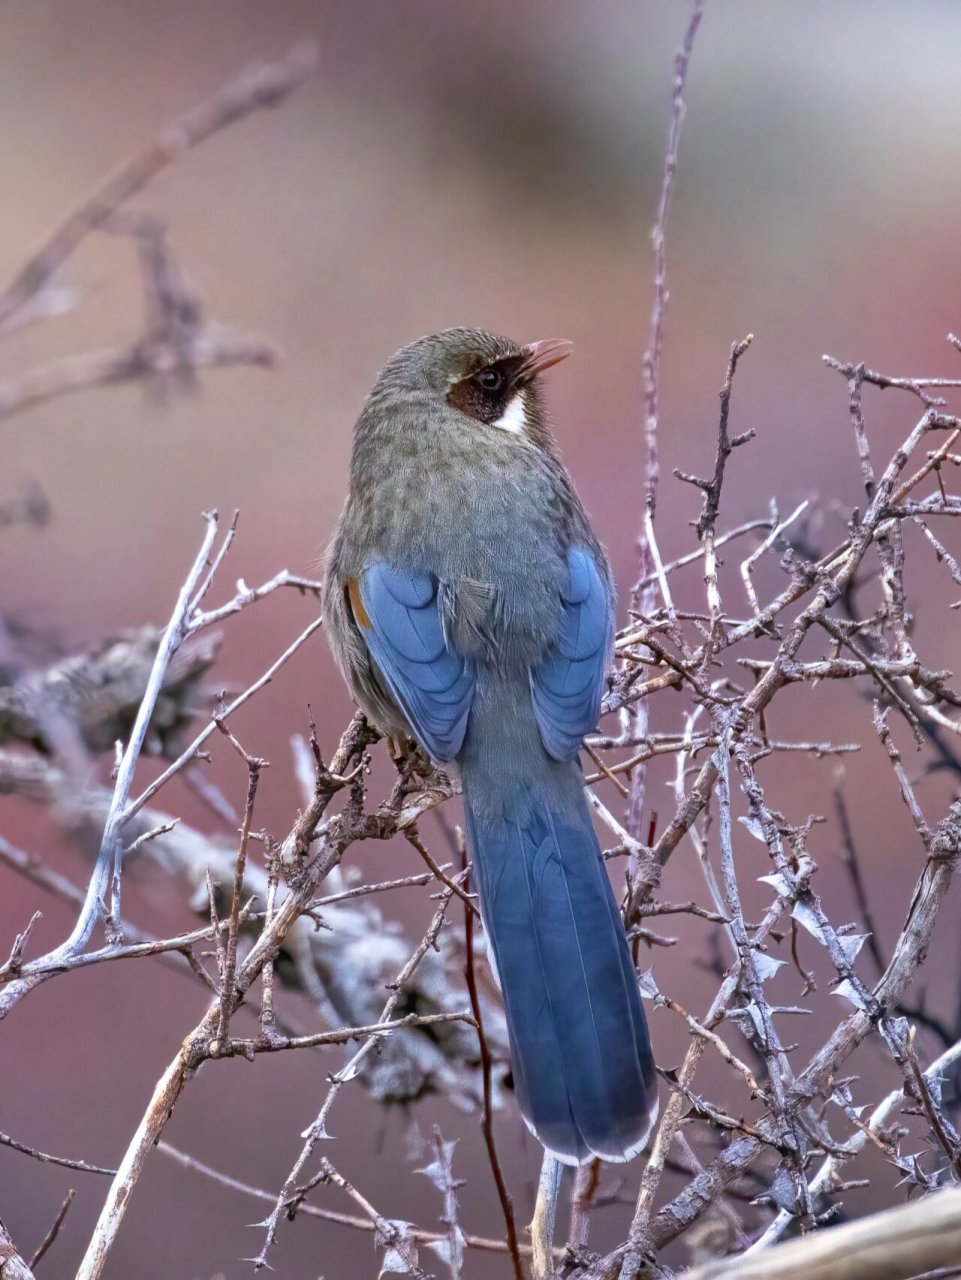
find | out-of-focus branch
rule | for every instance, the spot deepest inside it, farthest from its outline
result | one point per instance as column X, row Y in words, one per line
column 179, row 339
column 214, row 348
column 31, row 506
column 86, row 701
column 190, row 753
column 261, row 86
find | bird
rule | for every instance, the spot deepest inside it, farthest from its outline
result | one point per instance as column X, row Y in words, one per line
column 470, row 607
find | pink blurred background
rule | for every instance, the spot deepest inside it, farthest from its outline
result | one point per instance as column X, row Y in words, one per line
column 492, row 164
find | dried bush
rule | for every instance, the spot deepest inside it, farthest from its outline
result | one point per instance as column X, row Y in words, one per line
column 769, row 1150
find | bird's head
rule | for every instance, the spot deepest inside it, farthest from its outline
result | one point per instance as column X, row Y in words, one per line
column 489, row 379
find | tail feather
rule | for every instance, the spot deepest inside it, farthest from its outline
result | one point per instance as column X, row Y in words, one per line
column 580, row 1050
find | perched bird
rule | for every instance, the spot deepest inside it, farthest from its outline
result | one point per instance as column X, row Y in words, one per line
column 469, row 605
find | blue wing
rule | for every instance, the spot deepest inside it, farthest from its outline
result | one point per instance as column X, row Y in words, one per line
column 401, row 623
column 568, row 684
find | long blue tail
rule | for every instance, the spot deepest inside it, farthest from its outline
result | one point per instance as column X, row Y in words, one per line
column 580, row 1050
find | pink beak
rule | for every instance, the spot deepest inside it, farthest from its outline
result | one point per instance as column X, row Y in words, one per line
column 539, row 356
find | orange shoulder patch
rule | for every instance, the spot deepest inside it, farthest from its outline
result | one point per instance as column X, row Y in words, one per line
column 361, row 616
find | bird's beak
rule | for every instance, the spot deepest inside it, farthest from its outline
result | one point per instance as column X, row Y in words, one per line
column 539, row 356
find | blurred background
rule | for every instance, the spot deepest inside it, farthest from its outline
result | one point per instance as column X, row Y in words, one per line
column 493, row 165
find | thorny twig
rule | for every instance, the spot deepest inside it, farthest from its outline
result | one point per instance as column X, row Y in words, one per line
column 290, row 1196
column 420, row 1235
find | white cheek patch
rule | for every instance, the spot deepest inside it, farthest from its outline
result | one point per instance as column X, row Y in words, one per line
column 514, row 417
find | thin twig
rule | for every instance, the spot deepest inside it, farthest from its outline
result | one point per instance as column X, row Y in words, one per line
column 45, row 1158
column 107, row 869
column 47, row 1241
column 419, row 1234
column 487, row 1117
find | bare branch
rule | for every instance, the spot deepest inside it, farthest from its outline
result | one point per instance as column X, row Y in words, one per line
column 12, row 1266
column 895, row 1245
column 261, row 86
column 47, row 1242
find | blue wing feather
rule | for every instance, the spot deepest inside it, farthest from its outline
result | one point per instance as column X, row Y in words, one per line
column 431, row 683
column 568, row 684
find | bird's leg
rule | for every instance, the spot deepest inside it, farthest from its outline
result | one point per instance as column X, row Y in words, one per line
column 545, row 1212
column 408, row 757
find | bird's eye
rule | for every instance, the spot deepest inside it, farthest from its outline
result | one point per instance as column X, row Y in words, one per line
column 491, row 380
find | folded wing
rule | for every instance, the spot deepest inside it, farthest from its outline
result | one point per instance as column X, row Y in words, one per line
column 568, row 684
column 400, row 620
